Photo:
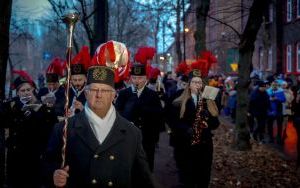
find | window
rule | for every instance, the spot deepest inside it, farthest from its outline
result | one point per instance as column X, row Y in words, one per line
column 289, row 10
column 298, row 8
column 289, row 58
column 298, row 57
column 270, row 59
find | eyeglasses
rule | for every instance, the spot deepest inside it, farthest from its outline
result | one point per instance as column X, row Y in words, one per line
column 101, row 91
column 196, row 82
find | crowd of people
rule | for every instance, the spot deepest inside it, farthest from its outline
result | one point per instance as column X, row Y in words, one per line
column 111, row 123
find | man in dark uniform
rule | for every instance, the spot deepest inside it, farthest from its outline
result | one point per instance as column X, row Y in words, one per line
column 103, row 149
column 142, row 106
column 30, row 124
column 78, row 80
column 54, row 94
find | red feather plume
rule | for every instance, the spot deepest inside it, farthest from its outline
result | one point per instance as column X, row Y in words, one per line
column 83, row 57
column 56, row 67
column 182, row 68
column 23, row 74
column 204, row 62
column 144, row 54
column 154, row 73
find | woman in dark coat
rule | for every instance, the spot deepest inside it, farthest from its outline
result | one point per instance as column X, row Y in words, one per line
column 193, row 150
column 30, row 124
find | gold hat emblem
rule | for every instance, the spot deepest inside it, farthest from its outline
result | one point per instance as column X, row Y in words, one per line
column 99, row 74
column 137, row 70
column 76, row 68
column 196, row 73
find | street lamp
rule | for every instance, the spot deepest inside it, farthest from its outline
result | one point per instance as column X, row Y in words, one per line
column 186, row 29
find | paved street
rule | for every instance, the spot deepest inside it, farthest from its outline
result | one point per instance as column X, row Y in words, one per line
column 165, row 170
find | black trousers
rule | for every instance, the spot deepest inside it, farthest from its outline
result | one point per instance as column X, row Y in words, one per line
column 259, row 131
column 279, row 120
column 194, row 164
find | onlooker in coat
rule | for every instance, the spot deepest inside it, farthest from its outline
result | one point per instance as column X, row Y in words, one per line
column 286, row 106
column 103, row 148
column 277, row 98
column 258, row 109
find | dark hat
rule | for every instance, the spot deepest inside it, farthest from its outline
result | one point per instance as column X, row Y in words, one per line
column 51, row 77
column 55, row 70
column 261, row 83
column 19, row 81
column 101, row 74
column 23, row 77
column 81, row 61
column 184, row 78
column 138, row 70
column 77, row 69
column 194, row 73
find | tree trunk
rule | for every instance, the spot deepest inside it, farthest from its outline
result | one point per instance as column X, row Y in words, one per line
column 199, row 35
column 246, row 48
column 5, row 14
column 100, row 24
column 177, row 37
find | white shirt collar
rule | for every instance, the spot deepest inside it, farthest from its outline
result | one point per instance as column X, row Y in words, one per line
column 139, row 91
column 101, row 127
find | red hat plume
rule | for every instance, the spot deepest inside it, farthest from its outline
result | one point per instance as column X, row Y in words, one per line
column 56, row 67
column 83, row 57
column 144, row 54
column 204, row 62
column 154, row 73
column 24, row 75
column 182, row 68
column 114, row 55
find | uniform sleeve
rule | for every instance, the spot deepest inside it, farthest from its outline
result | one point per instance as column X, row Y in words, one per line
column 141, row 176
column 52, row 158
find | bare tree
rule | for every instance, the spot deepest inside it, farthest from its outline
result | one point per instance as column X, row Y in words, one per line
column 246, row 48
column 5, row 15
column 254, row 19
column 201, row 16
column 100, row 23
column 96, row 29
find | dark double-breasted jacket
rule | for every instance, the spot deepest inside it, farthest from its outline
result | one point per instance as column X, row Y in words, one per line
column 118, row 162
column 81, row 97
column 29, row 131
column 144, row 111
column 182, row 128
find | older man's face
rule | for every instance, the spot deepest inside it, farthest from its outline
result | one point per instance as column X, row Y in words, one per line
column 99, row 97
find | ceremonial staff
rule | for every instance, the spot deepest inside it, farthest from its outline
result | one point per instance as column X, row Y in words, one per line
column 70, row 20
